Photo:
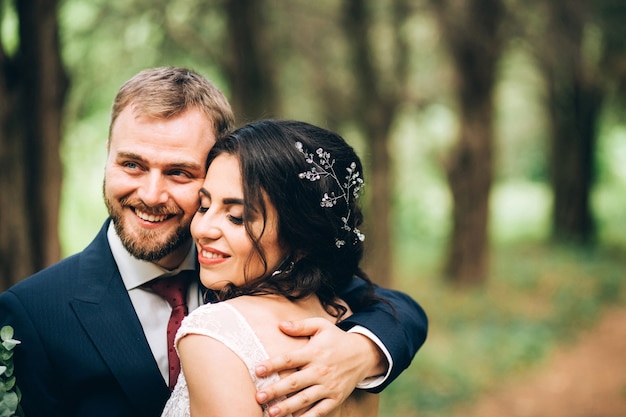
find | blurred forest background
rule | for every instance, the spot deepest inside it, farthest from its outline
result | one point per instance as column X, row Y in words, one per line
column 493, row 132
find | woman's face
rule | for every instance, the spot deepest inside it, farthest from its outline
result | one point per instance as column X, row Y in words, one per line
column 225, row 251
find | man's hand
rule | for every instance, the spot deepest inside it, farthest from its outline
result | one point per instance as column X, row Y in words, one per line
column 327, row 369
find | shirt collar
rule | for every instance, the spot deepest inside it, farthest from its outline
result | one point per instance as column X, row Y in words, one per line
column 136, row 272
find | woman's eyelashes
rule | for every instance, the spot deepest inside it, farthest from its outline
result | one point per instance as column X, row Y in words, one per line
column 236, row 220
column 231, row 207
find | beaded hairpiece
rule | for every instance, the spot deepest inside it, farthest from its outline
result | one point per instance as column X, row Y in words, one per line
column 323, row 168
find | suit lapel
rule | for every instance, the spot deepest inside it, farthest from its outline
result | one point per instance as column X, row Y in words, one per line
column 107, row 315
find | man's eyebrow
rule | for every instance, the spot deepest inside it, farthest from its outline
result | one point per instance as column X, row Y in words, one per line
column 175, row 165
column 130, row 155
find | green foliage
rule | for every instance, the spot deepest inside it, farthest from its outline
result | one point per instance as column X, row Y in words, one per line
column 538, row 298
column 9, row 38
column 9, row 392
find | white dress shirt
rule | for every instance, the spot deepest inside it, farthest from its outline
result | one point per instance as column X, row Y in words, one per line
column 152, row 310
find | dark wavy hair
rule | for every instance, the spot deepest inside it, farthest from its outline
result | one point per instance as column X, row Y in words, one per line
column 270, row 166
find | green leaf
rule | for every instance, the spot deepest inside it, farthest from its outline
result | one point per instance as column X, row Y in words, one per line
column 4, row 410
column 10, row 383
column 6, row 333
column 9, row 344
column 9, row 371
column 8, row 404
column 2, row 369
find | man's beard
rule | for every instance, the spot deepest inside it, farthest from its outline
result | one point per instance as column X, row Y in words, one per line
column 144, row 247
column 149, row 245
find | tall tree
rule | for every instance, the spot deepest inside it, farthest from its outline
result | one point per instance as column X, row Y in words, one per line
column 574, row 101
column 579, row 46
column 32, row 86
column 239, row 42
column 471, row 31
column 379, row 93
column 251, row 60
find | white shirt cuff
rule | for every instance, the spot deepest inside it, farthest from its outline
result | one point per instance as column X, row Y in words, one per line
column 374, row 381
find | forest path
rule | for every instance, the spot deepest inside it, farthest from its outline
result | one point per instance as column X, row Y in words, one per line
column 586, row 379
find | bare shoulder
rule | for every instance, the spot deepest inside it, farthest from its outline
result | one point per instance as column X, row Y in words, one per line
column 265, row 313
column 274, row 308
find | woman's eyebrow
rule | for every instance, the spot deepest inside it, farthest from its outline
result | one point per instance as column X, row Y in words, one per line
column 228, row 200
column 233, row 200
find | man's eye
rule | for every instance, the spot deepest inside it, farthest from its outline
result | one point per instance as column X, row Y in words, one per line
column 179, row 173
column 130, row 165
column 235, row 220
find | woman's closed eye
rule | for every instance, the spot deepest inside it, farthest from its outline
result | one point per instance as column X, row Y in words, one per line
column 235, row 220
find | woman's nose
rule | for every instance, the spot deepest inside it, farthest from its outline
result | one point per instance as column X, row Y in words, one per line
column 206, row 226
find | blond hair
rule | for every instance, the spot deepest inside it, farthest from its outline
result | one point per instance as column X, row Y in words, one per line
column 168, row 91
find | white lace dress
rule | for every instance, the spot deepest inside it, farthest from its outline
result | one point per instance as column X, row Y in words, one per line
column 224, row 323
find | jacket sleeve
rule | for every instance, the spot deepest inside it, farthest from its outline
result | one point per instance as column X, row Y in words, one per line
column 398, row 321
column 32, row 368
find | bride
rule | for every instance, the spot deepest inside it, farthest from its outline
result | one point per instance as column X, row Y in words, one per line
column 277, row 233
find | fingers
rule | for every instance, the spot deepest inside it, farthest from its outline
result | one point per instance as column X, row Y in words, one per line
column 305, row 327
column 290, row 385
column 281, row 363
column 304, row 400
column 319, row 378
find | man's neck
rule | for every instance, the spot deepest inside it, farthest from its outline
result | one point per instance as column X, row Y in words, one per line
column 175, row 258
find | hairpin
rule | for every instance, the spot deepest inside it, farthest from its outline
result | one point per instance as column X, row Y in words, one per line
column 324, row 167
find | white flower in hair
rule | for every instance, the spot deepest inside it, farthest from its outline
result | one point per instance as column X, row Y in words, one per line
column 324, row 167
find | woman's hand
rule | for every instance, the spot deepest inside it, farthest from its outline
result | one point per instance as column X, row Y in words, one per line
column 327, row 369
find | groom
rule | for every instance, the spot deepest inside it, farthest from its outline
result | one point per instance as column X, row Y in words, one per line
column 94, row 337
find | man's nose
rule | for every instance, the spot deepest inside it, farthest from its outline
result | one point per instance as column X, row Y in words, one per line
column 153, row 190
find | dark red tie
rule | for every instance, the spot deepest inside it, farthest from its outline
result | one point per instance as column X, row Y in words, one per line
column 174, row 291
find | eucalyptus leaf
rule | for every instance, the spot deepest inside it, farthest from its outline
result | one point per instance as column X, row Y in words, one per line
column 9, row 392
column 8, row 404
column 4, row 410
column 9, row 384
column 8, row 373
column 9, row 344
column 6, row 333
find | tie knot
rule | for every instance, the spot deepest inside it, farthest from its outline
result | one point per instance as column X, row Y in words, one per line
column 172, row 289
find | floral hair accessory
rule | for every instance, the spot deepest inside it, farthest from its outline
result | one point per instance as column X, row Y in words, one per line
column 324, row 167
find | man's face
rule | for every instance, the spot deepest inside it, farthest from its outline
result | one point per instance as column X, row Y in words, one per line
column 154, row 170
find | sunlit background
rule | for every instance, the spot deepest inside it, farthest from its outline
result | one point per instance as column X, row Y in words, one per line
column 539, row 296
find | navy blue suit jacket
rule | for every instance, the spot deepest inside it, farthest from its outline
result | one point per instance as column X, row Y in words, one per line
column 84, row 353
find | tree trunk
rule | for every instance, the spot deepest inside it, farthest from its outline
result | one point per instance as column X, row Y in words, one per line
column 251, row 64
column 470, row 174
column 374, row 111
column 574, row 100
column 471, row 31
column 33, row 86
column 378, row 258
